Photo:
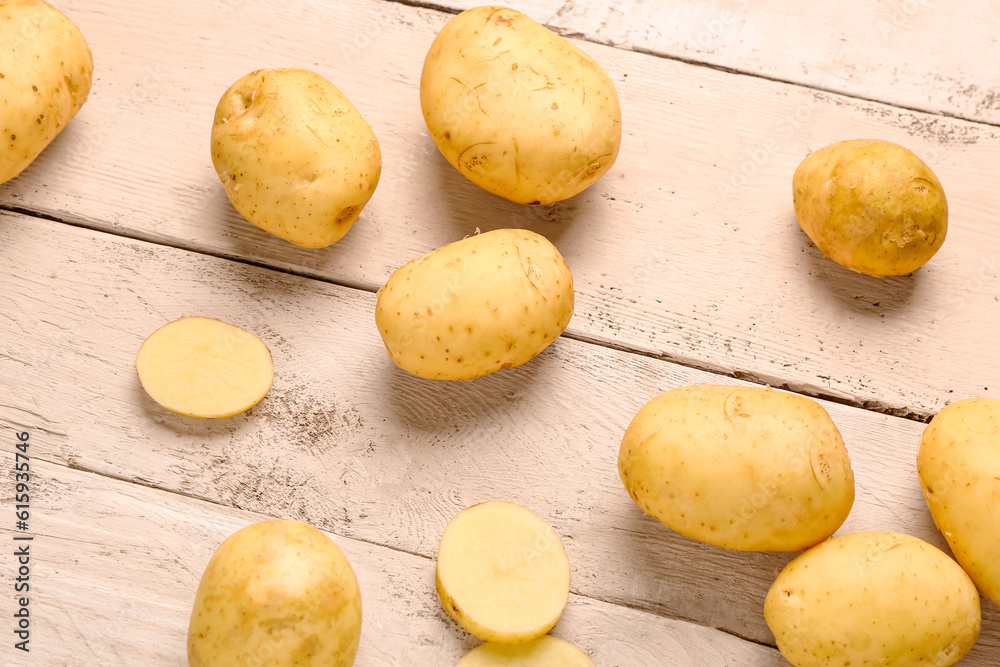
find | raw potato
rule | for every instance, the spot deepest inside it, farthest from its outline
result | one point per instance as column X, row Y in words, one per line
column 297, row 159
column 872, row 206
column 873, row 599
column 502, row 573
column 547, row 651
column 202, row 367
column 517, row 109
column 744, row 468
column 45, row 74
column 276, row 593
column 959, row 468
column 487, row 302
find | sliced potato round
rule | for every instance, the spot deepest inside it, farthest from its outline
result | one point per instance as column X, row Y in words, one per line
column 502, row 573
column 202, row 367
column 547, row 651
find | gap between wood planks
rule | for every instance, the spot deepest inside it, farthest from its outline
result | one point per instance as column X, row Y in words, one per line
column 687, row 362
column 574, row 34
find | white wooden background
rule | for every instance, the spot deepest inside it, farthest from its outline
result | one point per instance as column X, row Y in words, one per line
column 688, row 263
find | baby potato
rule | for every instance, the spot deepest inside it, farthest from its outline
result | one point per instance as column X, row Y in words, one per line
column 489, row 301
column 873, row 599
column 276, row 593
column 959, row 468
column 872, row 206
column 295, row 156
column 517, row 109
column 744, row 468
column 45, row 74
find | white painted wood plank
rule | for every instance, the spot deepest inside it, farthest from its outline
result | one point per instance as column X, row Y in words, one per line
column 687, row 249
column 920, row 54
column 115, row 566
column 351, row 444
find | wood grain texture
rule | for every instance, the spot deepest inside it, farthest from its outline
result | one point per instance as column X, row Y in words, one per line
column 115, row 567
column 349, row 443
column 919, row 54
column 688, row 249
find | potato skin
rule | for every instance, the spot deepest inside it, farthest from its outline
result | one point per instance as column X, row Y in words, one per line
column 489, row 301
column 745, row 468
column 872, row 206
column 517, row 109
column 46, row 69
column 297, row 159
column 277, row 593
column 873, row 599
column 959, row 468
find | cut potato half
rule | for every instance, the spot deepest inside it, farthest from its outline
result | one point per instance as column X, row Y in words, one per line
column 547, row 651
column 502, row 573
column 202, row 367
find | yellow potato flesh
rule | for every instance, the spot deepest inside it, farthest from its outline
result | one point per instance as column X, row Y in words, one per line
column 297, row 159
column 875, row 600
column 487, row 302
column 740, row 467
column 545, row 651
column 201, row 367
column 517, row 109
column 45, row 75
column 276, row 593
column 959, row 468
column 872, row 206
column 502, row 573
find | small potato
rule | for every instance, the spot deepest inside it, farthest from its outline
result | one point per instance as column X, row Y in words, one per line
column 202, row 367
column 45, row 74
column 873, row 600
column 959, row 468
column 489, row 301
column 872, row 206
column 502, row 573
column 547, row 651
column 276, row 593
column 517, row 109
column 296, row 158
column 739, row 467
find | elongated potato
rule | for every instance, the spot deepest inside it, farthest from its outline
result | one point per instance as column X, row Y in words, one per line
column 873, row 599
column 472, row 307
column 202, row 367
column 518, row 109
column 959, row 468
column 739, row 467
column 297, row 159
column 502, row 573
column 547, row 651
column 277, row 593
column 45, row 74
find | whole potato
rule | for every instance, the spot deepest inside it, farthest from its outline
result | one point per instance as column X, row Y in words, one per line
column 487, row 302
column 872, row 206
column 276, row 593
column 873, row 599
column 744, row 468
column 296, row 158
column 517, row 109
column 959, row 468
column 45, row 75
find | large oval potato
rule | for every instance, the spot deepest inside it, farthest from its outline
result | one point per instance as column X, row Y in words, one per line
column 296, row 158
column 489, row 301
column 517, row 109
column 46, row 70
column 876, row 599
column 872, row 206
column 744, row 468
column 959, row 468
column 276, row 593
